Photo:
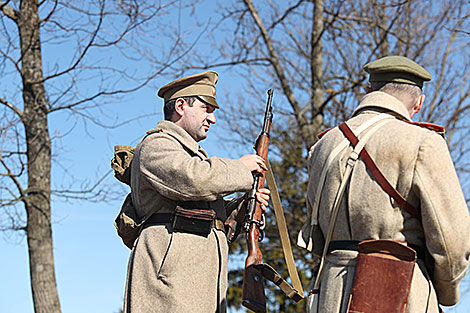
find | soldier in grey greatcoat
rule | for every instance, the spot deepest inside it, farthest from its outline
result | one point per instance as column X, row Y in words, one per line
column 415, row 159
column 184, row 271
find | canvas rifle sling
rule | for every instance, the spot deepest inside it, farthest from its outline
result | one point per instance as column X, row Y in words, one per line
column 296, row 292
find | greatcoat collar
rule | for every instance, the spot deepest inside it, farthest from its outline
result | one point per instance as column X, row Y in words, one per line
column 382, row 100
column 182, row 137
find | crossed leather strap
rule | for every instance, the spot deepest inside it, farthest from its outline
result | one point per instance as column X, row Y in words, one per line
column 383, row 182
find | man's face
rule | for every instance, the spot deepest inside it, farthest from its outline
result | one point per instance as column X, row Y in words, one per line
column 197, row 119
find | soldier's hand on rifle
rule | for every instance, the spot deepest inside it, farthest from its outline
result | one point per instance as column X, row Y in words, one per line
column 254, row 163
column 262, row 195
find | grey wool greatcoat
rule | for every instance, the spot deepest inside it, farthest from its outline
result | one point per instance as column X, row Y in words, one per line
column 175, row 271
column 416, row 161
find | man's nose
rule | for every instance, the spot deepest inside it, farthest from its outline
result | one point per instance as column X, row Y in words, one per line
column 211, row 118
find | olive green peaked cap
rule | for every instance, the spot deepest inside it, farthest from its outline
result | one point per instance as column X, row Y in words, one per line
column 397, row 69
column 201, row 85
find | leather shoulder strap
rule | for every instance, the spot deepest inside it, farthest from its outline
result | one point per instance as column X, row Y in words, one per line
column 350, row 164
column 383, row 182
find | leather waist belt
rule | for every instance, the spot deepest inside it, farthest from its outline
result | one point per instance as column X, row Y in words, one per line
column 159, row 219
column 195, row 204
column 167, row 218
column 343, row 245
column 353, row 245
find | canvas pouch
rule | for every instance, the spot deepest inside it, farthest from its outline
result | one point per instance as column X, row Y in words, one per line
column 121, row 163
column 127, row 227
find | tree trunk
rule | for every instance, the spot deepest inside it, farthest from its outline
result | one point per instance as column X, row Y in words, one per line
column 38, row 145
column 317, row 68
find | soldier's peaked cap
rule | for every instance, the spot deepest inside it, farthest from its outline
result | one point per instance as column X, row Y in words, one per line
column 397, row 69
column 201, row 85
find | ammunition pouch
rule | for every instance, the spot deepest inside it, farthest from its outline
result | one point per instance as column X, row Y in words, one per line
column 382, row 280
column 194, row 221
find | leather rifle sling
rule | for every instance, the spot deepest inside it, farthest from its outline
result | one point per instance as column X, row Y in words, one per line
column 296, row 292
column 383, row 182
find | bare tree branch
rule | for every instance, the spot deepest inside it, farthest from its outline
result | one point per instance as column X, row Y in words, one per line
column 8, row 11
column 11, row 107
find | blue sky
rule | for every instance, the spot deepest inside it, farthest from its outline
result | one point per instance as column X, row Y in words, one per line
column 90, row 259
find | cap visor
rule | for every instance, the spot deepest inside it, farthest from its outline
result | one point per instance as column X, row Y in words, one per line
column 209, row 100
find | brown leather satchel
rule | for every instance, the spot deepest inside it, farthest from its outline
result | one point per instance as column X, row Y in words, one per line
column 382, row 281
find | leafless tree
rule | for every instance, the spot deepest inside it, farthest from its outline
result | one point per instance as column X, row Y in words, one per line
column 69, row 58
column 312, row 53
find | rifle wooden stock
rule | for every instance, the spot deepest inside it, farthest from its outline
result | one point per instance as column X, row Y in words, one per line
column 253, row 280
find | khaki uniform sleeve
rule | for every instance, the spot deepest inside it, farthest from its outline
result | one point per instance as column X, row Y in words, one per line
column 177, row 175
column 445, row 217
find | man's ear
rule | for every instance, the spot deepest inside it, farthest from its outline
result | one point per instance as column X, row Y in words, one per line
column 179, row 104
column 418, row 105
column 368, row 89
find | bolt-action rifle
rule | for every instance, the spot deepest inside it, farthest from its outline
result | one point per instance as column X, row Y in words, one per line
column 253, row 224
column 253, row 280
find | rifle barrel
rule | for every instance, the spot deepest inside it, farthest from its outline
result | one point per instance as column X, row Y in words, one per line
column 253, row 281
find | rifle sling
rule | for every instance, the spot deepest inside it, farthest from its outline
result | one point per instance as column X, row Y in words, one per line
column 272, row 275
column 296, row 292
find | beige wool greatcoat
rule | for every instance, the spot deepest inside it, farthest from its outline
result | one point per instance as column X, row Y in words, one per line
column 416, row 161
column 175, row 271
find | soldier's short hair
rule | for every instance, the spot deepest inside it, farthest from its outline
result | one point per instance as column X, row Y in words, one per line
column 406, row 93
column 169, row 107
